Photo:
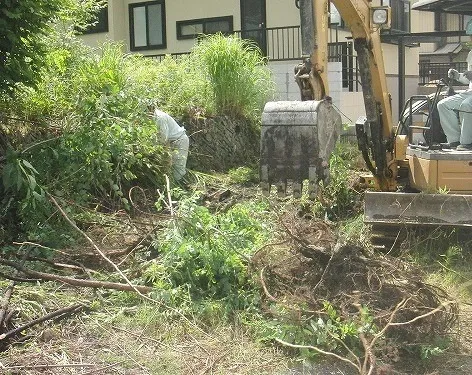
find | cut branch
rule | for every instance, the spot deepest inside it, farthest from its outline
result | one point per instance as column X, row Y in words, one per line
column 138, row 289
column 9, row 291
column 58, row 313
column 76, row 282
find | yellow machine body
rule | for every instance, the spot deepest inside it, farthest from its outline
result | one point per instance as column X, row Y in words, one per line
column 440, row 171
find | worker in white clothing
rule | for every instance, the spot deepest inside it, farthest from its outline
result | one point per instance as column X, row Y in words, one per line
column 455, row 112
column 174, row 134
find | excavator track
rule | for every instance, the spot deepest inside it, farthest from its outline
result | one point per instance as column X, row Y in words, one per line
column 395, row 216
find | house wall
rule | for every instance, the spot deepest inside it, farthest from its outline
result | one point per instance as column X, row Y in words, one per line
column 280, row 13
column 287, row 88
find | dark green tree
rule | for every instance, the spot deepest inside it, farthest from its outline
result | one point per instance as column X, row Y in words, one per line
column 26, row 27
column 23, row 24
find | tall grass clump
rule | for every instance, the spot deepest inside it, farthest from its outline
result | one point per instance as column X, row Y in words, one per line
column 178, row 86
column 239, row 77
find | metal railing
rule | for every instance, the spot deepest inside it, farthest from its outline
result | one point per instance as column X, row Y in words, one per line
column 284, row 44
column 432, row 72
column 277, row 43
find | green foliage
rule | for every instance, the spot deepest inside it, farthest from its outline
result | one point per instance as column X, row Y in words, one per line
column 19, row 176
column 438, row 347
column 22, row 23
column 326, row 331
column 24, row 30
column 179, row 87
column 239, row 77
column 109, row 142
column 338, row 200
column 243, row 175
column 103, row 144
column 205, row 256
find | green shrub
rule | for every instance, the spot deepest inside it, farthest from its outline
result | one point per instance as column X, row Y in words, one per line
column 207, row 254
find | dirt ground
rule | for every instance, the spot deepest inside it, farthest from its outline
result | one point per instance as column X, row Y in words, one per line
column 129, row 336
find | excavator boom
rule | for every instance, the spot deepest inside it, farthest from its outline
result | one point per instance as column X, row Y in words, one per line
column 280, row 164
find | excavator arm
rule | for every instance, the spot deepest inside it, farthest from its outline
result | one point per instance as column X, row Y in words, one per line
column 375, row 135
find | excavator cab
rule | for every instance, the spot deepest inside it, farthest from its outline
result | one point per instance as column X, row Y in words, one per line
column 419, row 119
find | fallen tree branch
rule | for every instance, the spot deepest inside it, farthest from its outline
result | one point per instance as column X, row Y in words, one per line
column 76, row 282
column 17, row 279
column 57, row 313
column 62, row 265
column 46, row 366
column 319, row 351
column 100, row 369
column 138, row 289
column 9, row 291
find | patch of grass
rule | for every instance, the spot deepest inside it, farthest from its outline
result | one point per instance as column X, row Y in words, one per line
column 244, row 175
column 444, row 255
column 239, row 77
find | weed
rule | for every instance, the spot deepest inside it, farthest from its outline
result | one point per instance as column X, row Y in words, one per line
column 339, row 200
column 240, row 80
column 205, row 256
column 243, row 175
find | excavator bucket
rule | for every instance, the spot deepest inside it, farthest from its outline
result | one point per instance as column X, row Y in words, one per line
column 417, row 209
column 297, row 140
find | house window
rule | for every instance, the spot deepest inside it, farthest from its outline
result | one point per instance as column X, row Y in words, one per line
column 400, row 15
column 147, row 25
column 192, row 28
column 467, row 21
column 101, row 23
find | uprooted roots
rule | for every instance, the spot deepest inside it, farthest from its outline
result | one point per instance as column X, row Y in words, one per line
column 311, row 267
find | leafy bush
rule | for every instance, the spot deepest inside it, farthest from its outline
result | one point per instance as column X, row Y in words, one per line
column 25, row 30
column 207, row 254
column 108, row 141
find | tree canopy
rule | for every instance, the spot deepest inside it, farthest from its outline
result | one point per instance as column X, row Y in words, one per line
column 24, row 27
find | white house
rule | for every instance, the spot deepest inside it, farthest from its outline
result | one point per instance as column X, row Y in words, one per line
column 159, row 27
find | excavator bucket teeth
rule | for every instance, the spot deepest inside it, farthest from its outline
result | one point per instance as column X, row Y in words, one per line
column 297, row 140
column 418, row 209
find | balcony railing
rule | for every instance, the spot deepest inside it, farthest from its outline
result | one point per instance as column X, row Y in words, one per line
column 284, row 44
column 431, row 72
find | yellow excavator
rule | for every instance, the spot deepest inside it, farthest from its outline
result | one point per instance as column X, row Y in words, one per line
column 419, row 184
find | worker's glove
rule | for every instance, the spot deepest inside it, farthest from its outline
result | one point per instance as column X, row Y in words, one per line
column 453, row 73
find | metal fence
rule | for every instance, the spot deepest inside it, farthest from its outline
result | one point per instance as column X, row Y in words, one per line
column 284, row 44
column 431, row 72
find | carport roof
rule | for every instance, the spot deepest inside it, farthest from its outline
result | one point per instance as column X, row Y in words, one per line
column 445, row 6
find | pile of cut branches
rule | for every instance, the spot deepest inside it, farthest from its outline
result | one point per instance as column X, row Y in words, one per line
column 310, row 269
